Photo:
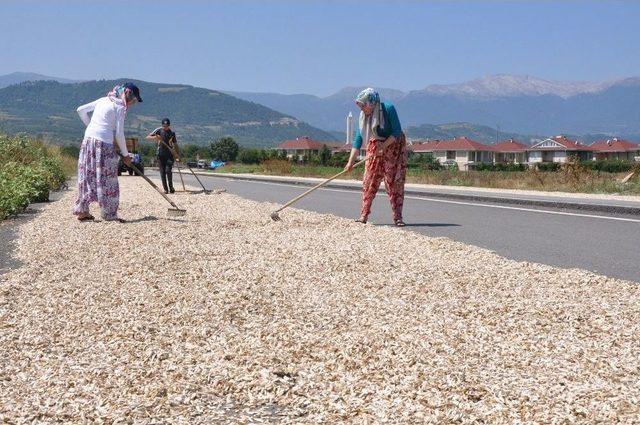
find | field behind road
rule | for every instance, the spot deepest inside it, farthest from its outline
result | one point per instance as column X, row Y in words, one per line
column 227, row 316
column 574, row 178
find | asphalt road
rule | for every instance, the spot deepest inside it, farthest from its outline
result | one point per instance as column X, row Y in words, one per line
column 606, row 244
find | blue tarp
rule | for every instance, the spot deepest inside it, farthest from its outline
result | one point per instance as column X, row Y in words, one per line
column 216, row 164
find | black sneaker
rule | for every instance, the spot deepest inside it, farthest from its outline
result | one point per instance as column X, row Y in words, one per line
column 172, row 190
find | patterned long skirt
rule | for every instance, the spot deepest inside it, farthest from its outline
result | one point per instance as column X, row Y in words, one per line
column 392, row 167
column 98, row 178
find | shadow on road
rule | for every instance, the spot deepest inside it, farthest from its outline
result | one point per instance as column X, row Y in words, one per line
column 139, row 220
column 422, row 225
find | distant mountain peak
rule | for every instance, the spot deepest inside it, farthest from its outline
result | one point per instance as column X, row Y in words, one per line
column 506, row 85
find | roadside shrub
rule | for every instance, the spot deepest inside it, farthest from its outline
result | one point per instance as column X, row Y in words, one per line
column 28, row 171
column 72, row 151
column 339, row 159
column 249, row 156
column 450, row 166
column 54, row 175
column 276, row 166
column 610, row 165
column 548, row 166
column 313, row 159
column 325, row 155
column 500, row 167
column 424, row 161
column 20, row 185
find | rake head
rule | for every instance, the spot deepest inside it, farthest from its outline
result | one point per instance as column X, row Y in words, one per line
column 275, row 216
column 176, row 212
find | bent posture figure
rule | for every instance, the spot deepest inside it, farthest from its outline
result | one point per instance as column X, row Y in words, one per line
column 98, row 159
column 380, row 127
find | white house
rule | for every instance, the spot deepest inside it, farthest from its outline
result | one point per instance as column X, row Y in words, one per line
column 307, row 146
column 558, row 149
column 464, row 152
column 510, row 152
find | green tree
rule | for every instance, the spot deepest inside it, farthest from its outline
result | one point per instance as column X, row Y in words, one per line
column 72, row 151
column 250, row 156
column 189, row 151
column 225, row 149
column 339, row 159
column 325, row 155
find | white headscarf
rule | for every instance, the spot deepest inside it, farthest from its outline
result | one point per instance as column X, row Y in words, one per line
column 369, row 125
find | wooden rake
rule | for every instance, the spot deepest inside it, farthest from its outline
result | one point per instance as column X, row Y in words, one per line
column 275, row 215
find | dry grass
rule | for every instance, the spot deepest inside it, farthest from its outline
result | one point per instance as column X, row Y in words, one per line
column 569, row 179
column 226, row 316
column 276, row 166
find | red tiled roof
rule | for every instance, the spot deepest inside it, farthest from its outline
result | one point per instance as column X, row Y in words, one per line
column 614, row 145
column 462, row 144
column 341, row 148
column 458, row 144
column 427, row 146
column 510, row 146
column 304, row 143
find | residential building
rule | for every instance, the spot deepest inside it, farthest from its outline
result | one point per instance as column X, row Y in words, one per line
column 423, row 147
column 462, row 151
column 302, row 146
column 558, row 149
column 615, row 148
column 510, row 152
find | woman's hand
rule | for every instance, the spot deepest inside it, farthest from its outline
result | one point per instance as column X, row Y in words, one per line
column 390, row 140
column 127, row 160
column 352, row 158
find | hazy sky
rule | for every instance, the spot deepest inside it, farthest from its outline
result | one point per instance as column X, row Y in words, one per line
column 319, row 47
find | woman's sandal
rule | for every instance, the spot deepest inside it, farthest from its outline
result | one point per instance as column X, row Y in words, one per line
column 361, row 220
column 400, row 223
column 86, row 218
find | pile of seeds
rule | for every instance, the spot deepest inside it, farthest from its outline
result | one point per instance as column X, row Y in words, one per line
column 227, row 316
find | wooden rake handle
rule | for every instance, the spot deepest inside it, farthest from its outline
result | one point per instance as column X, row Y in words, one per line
column 148, row 180
column 319, row 185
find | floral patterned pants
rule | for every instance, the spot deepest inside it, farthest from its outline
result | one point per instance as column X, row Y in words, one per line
column 98, row 178
column 392, row 167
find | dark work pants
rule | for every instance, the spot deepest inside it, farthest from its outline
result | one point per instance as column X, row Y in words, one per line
column 166, row 173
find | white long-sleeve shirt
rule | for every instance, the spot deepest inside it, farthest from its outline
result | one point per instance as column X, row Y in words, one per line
column 106, row 121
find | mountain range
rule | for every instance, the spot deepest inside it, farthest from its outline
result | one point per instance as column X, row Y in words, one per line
column 20, row 77
column 524, row 107
column 516, row 103
column 48, row 109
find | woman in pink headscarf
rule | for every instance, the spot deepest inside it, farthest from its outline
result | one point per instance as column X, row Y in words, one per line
column 98, row 160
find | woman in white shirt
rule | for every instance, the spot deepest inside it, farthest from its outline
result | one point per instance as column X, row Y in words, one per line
column 98, row 160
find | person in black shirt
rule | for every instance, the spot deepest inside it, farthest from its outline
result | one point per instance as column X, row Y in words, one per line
column 167, row 152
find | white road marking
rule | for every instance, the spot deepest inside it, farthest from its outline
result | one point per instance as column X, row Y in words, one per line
column 475, row 204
